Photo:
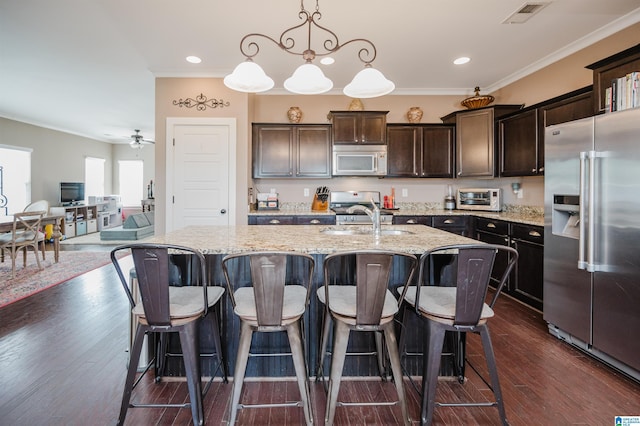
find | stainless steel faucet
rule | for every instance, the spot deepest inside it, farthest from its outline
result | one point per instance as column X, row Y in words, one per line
column 373, row 214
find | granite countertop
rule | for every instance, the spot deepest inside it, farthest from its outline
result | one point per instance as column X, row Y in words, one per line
column 245, row 238
column 519, row 214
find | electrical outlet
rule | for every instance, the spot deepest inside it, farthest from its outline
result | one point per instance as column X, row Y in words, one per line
column 520, row 193
column 405, row 192
column 306, row 192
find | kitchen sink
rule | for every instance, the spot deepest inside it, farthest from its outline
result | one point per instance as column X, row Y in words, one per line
column 363, row 231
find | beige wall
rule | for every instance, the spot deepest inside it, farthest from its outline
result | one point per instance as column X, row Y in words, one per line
column 56, row 157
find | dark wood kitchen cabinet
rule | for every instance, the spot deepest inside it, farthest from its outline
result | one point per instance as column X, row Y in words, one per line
column 461, row 225
column 475, row 139
column 359, row 127
column 420, row 150
column 291, row 151
column 271, row 219
column 527, row 280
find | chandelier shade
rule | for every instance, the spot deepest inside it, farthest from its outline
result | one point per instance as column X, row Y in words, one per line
column 308, row 79
column 369, row 83
column 248, row 77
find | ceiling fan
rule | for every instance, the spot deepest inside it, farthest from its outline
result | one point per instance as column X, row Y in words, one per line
column 138, row 141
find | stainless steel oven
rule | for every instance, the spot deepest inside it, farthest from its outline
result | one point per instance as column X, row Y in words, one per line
column 486, row 199
column 341, row 201
column 359, row 160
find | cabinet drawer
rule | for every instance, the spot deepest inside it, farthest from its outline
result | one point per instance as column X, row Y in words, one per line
column 412, row 220
column 274, row 220
column 449, row 221
column 534, row 234
column 315, row 220
column 490, row 225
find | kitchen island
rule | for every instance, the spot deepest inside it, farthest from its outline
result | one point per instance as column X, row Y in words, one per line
column 217, row 241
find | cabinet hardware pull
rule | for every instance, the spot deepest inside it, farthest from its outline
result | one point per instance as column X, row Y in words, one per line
column 491, row 225
column 533, row 170
column 449, row 221
column 534, row 233
column 412, row 221
column 314, row 221
column 274, row 221
column 541, row 169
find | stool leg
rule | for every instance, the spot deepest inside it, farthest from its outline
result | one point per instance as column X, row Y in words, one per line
column 244, row 345
column 493, row 372
column 191, row 357
column 300, row 365
column 340, row 341
column 134, row 357
column 326, row 328
column 215, row 325
column 394, row 357
column 380, row 355
column 431, row 367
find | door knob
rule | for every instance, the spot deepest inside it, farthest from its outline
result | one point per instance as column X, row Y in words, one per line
column 223, row 211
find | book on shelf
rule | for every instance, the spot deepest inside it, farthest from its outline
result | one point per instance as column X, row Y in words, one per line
column 623, row 93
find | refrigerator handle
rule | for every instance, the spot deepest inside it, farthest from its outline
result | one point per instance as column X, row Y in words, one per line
column 582, row 238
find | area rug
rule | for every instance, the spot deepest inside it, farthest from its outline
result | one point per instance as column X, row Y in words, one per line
column 31, row 280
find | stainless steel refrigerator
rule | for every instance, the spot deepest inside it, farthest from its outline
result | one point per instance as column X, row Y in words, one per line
column 592, row 236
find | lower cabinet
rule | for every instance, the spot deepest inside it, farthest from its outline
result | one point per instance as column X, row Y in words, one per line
column 461, row 225
column 292, row 220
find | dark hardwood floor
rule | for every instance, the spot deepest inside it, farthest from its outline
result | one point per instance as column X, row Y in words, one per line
column 63, row 358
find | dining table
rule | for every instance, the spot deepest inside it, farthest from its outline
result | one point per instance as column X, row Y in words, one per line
column 6, row 225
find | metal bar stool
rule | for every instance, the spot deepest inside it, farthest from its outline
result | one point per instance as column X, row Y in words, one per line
column 457, row 305
column 365, row 304
column 167, row 309
column 273, row 298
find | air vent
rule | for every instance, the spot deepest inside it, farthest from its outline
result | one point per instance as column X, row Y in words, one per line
column 525, row 12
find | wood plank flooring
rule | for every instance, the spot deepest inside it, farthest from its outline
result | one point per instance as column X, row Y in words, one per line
column 63, row 358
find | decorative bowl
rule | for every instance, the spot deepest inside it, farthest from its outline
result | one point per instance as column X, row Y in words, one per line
column 477, row 101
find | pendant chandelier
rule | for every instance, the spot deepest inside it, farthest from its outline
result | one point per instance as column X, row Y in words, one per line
column 308, row 78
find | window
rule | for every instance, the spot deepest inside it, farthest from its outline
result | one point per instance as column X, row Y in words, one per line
column 94, row 176
column 15, row 179
column 131, row 182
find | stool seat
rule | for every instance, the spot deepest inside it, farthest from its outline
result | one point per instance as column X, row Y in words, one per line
column 293, row 303
column 440, row 302
column 186, row 301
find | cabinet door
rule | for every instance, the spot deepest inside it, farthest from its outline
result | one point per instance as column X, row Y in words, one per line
column 518, row 144
column 437, row 151
column 403, row 151
column 345, row 128
column 374, row 128
column 366, row 127
column 454, row 224
column 272, row 151
column 272, row 220
column 475, row 144
column 313, row 151
column 528, row 283
column 315, row 220
column 411, row 220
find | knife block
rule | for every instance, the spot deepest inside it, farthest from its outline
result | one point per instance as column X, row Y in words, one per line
column 319, row 206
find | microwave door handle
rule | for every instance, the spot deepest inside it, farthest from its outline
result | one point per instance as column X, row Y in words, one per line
column 375, row 163
column 582, row 237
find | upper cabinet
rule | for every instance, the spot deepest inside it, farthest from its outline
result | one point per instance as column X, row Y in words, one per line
column 521, row 134
column 291, row 150
column 475, row 139
column 609, row 69
column 424, row 150
column 359, row 127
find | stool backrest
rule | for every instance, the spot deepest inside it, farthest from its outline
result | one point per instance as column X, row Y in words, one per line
column 469, row 268
column 269, row 272
column 152, row 270
column 372, row 277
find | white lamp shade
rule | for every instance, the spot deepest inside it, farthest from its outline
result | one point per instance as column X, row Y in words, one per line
column 369, row 83
column 308, row 79
column 248, row 77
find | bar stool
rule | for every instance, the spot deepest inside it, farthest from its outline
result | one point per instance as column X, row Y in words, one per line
column 272, row 298
column 459, row 306
column 365, row 304
column 168, row 309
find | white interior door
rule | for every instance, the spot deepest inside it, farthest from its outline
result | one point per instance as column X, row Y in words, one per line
column 200, row 156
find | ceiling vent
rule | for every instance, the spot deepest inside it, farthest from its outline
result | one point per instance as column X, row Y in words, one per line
column 525, row 12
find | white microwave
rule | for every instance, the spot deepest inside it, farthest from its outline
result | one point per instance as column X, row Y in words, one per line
column 486, row 199
column 359, row 160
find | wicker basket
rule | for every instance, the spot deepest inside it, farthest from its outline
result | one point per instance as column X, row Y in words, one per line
column 477, row 101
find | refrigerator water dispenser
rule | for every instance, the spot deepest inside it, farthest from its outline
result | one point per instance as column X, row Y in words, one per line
column 565, row 218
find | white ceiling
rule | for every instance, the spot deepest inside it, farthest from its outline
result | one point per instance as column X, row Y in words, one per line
column 87, row 67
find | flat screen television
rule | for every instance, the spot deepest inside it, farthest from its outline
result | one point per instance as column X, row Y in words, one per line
column 71, row 193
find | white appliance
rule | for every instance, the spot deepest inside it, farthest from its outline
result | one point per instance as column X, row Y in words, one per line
column 359, row 160
column 591, row 235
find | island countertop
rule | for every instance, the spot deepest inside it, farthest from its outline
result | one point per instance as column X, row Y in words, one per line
column 306, row 239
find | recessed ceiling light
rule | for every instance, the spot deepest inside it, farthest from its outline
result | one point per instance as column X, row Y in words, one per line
column 461, row 60
column 194, row 59
column 328, row 60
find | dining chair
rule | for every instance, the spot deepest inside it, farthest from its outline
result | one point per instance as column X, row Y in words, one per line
column 25, row 233
column 270, row 292
column 450, row 295
column 166, row 308
column 40, row 205
column 361, row 300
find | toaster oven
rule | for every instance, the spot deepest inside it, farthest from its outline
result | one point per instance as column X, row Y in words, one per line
column 485, row 199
